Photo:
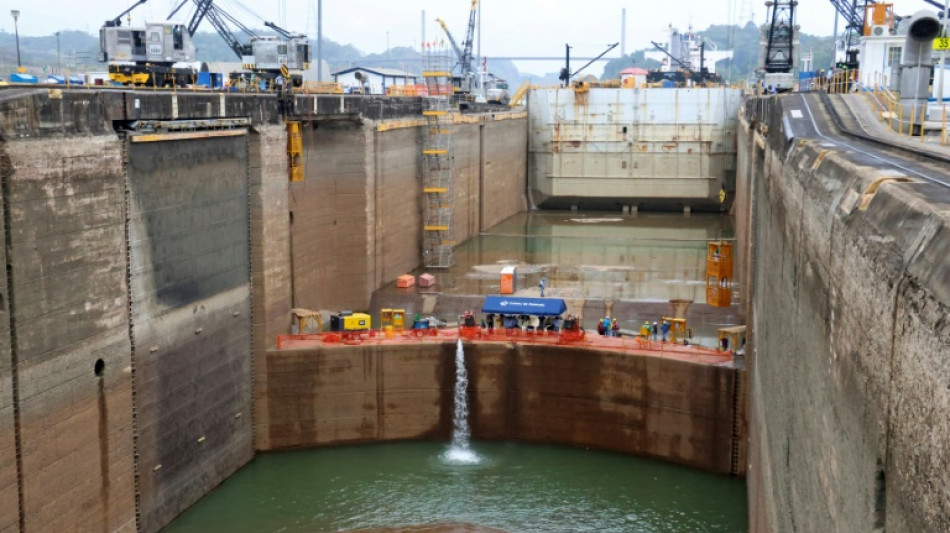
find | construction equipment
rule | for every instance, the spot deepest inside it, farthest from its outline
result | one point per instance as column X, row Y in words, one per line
column 853, row 13
column 566, row 73
column 157, row 54
column 779, row 46
column 483, row 85
column 273, row 59
column 147, row 55
column 350, row 321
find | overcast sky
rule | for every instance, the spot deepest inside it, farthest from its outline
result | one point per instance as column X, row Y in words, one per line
column 509, row 28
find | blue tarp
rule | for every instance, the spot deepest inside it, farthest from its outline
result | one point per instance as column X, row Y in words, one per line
column 512, row 305
column 61, row 80
column 16, row 77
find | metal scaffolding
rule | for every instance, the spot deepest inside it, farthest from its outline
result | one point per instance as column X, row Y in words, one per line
column 438, row 161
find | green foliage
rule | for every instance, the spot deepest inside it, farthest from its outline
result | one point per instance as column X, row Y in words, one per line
column 743, row 41
column 79, row 51
column 637, row 59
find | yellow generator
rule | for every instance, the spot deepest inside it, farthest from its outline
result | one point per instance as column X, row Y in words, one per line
column 349, row 321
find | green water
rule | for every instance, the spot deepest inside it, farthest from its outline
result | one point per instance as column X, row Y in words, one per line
column 515, row 487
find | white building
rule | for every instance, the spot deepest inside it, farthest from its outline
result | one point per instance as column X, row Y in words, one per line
column 880, row 61
column 376, row 79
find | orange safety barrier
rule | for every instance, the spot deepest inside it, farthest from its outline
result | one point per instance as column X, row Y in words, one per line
column 579, row 338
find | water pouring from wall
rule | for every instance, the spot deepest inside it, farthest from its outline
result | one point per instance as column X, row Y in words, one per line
column 459, row 451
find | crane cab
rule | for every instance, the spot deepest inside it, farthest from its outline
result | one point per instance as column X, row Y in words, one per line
column 269, row 54
column 158, row 42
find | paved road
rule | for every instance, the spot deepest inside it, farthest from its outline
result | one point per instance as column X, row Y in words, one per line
column 806, row 117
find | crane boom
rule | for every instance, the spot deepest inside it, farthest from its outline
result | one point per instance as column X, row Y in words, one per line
column 280, row 31
column 117, row 21
column 203, row 6
column 455, row 46
column 466, row 59
column 464, row 52
column 215, row 17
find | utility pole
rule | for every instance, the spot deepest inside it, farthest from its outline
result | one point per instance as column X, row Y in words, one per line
column 59, row 57
column 319, row 40
column 623, row 32
column 834, row 43
column 565, row 76
column 16, row 29
column 479, row 52
column 943, row 53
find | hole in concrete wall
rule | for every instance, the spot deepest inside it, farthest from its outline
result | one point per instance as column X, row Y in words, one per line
column 880, row 498
column 625, row 129
column 99, row 367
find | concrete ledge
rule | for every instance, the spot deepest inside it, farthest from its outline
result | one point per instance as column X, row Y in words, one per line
column 672, row 410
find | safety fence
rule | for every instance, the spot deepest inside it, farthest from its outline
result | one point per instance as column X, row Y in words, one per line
column 627, row 344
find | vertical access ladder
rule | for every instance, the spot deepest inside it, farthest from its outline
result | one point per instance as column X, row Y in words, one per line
column 438, row 180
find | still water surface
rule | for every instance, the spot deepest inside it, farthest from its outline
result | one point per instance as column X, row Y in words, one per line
column 515, row 487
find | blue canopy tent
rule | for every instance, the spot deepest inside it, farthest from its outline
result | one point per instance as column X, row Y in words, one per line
column 511, row 305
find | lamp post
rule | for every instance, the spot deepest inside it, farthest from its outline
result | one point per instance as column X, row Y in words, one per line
column 16, row 29
column 59, row 58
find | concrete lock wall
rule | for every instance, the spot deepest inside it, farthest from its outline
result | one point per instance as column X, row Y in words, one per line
column 673, row 410
column 167, row 256
column 270, row 253
column 64, row 309
column 849, row 403
column 9, row 484
column 84, row 214
column 190, row 302
column 357, row 217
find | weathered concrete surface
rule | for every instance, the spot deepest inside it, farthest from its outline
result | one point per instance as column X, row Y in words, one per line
column 849, row 376
column 9, row 479
column 610, row 148
column 504, row 169
column 66, row 261
column 331, row 252
column 357, row 217
column 190, row 301
column 673, row 410
column 270, row 256
column 98, row 224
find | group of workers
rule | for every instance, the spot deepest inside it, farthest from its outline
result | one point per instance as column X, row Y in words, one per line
column 653, row 332
column 523, row 322
column 608, row 327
